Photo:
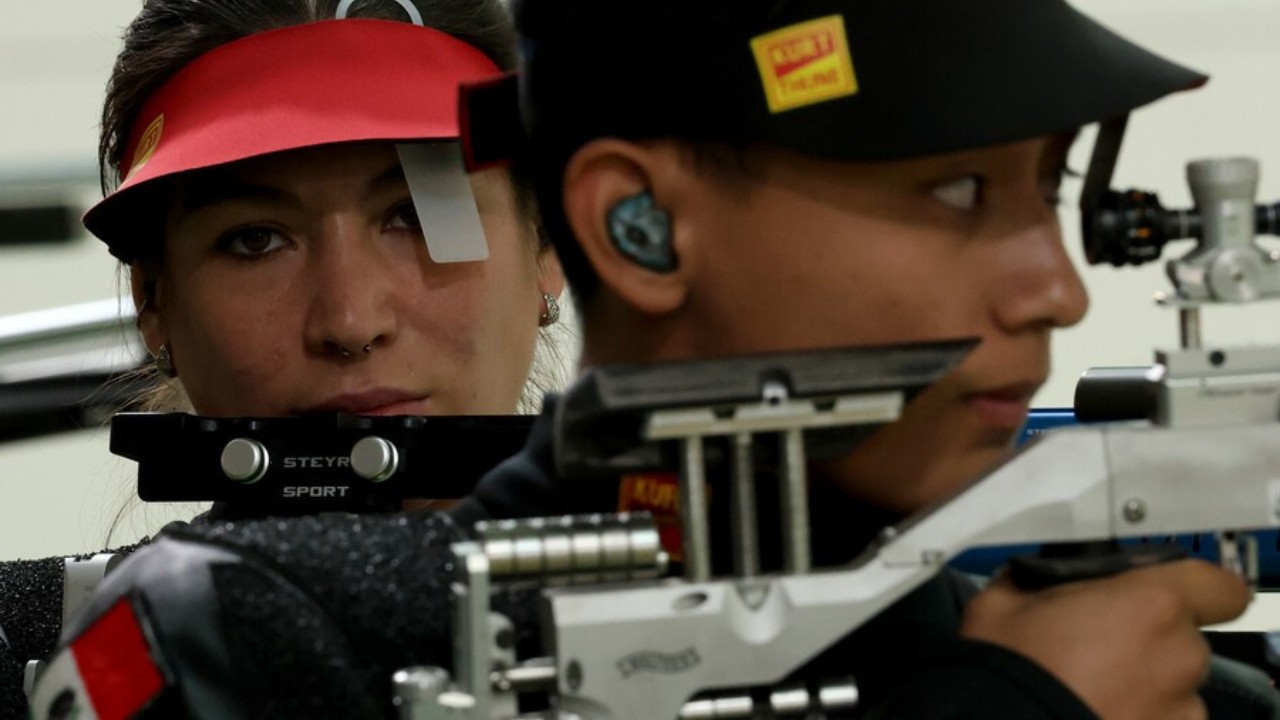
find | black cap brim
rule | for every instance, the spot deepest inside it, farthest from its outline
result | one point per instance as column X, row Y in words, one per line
column 933, row 76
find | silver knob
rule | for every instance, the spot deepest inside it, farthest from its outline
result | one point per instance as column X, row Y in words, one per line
column 245, row 461
column 374, row 459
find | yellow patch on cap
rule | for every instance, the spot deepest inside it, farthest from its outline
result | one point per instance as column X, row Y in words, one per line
column 805, row 64
column 147, row 145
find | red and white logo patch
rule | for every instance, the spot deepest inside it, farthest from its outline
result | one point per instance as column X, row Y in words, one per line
column 108, row 673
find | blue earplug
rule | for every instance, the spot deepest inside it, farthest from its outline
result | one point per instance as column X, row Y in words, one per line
column 642, row 232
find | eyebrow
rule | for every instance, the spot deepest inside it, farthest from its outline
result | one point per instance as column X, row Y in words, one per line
column 218, row 187
column 390, row 179
column 211, row 190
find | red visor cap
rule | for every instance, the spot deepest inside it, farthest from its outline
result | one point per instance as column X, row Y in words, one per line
column 319, row 83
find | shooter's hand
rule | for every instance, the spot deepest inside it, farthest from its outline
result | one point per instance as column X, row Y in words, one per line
column 1128, row 645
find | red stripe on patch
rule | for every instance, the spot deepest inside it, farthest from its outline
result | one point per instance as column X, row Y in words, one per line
column 116, row 666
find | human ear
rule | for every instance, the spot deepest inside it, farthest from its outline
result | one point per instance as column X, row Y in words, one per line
column 142, row 285
column 620, row 203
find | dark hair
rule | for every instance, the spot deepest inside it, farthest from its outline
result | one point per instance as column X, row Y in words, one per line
column 168, row 34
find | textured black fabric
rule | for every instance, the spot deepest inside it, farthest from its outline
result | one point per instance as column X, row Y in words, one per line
column 378, row 576
column 353, row 599
column 31, row 615
column 13, row 704
column 289, row 658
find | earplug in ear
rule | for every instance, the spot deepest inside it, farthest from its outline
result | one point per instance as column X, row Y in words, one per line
column 641, row 231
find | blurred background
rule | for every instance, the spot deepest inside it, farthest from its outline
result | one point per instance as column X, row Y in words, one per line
column 60, row 493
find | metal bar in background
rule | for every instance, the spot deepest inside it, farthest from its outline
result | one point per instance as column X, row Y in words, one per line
column 41, row 203
column 44, row 223
column 67, row 368
column 22, row 179
column 92, row 319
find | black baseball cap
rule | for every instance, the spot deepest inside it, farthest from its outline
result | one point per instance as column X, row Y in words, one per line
column 855, row 80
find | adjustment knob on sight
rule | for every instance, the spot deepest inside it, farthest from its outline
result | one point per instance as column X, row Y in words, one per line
column 374, row 459
column 245, row 461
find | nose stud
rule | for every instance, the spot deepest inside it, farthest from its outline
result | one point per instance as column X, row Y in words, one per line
column 346, row 354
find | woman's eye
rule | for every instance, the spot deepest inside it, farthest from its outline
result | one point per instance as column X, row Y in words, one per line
column 404, row 217
column 962, row 194
column 251, row 242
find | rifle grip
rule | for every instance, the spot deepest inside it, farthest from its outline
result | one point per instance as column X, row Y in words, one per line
column 1059, row 563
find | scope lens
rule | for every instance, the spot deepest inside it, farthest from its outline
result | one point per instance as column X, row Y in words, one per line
column 1124, row 228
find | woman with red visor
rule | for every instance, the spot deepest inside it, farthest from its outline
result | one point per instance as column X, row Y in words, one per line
column 288, row 197
column 276, row 166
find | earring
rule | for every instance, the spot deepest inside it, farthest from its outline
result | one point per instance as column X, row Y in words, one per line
column 551, row 315
column 641, row 231
column 164, row 361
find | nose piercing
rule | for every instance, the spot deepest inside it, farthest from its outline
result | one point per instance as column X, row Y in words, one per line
column 345, row 353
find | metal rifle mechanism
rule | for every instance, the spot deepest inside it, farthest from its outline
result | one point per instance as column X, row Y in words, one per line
column 1193, row 384
column 625, row 643
column 602, row 573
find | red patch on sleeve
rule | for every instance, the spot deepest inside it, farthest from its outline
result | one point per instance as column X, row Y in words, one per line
column 116, row 666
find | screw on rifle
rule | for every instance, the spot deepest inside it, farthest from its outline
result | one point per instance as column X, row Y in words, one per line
column 1135, row 511
column 573, row 674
